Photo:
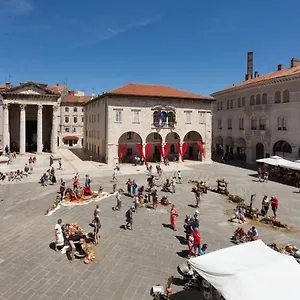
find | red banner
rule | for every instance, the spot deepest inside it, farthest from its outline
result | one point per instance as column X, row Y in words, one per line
column 160, row 148
column 166, row 149
column 182, row 149
column 148, row 150
column 122, row 149
column 201, row 148
column 140, row 149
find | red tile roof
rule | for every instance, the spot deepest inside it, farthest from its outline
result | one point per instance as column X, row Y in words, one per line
column 3, row 87
column 155, row 91
column 56, row 88
column 260, row 79
column 75, row 99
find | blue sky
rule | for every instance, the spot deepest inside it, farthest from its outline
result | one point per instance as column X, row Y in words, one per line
column 198, row 46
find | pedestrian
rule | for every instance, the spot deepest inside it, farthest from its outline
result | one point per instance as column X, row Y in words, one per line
column 136, row 203
column 265, row 204
column 134, row 187
column 179, row 175
column 114, row 177
column 75, row 182
column 196, row 236
column 88, row 181
column 129, row 186
column 266, row 176
column 97, row 224
column 274, row 205
column 173, row 217
column 62, row 189
column 51, row 160
column 129, row 219
column 59, row 164
column 260, row 174
column 190, row 242
column 119, row 200
column 173, row 184
column 197, row 196
column 203, row 249
column 114, row 187
column 59, row 238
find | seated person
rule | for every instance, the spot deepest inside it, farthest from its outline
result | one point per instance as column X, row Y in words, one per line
column 238, row 215
column 203, row 249
column 100, row 189
column 239, row 235
column 26, row 169
column 252, row 234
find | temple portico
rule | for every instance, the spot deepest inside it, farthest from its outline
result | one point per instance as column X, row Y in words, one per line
column 30, row 118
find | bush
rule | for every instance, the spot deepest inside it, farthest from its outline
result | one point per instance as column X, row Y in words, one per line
column 236, row 198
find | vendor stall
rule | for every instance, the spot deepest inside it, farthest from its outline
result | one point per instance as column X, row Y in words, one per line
column 250, row 271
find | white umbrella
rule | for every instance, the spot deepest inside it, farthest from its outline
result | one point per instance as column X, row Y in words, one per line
column 273, row 161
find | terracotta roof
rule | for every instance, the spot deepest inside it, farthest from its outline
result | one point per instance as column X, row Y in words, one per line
column 260, row 79
column 3, row 87
column 155, row 91
column 56, row 88
column 75, row 99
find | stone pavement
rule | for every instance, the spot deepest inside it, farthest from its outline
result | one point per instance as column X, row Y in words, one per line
column 128, row 263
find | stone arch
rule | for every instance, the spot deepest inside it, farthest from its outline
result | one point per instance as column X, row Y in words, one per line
column 252, row 100
column 265, row 98
column 259, row 151
column 282, row 148
column 194, row 151
column 127, row 148
column 228, row 147
column 154, row 138
column 286, row 96
column 172, row 138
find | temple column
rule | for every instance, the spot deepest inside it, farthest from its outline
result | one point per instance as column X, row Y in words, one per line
column 40, row 129
column 5, row 126
column 179, row 155
column 54, row 130
column 22, row 128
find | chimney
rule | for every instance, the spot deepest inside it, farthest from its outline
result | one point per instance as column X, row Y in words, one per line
column 280, row 67
column 249, row 66
column 256, row 74
column 295, row 62
column 7, row 84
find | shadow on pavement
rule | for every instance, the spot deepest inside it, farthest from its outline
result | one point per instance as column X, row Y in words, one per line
column 188, row 294
column 181, row 239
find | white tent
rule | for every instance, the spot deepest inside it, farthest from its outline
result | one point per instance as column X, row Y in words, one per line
column 273, row 161
column 292, row 165
column 250, row 271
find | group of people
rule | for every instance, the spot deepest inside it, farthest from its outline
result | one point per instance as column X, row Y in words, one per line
column 241, row 236
column 266, row 203
column 263, row 174
column 48, row 178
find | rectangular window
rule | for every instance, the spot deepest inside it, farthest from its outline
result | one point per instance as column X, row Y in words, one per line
column 135, row 116
column 239, row 102
column 231, row 103
column 218, row 106
column 202, row 117
column 221, row 105
column 243, row 101
column 220, row 124
column 254, row 124
column 262, row 124
column 98, row 118
column 66, row 109
column 282, row 123
column 118, row 116
column 229, row 124
column 241, row 124
column 75, row 119
column 67, row 129
column 66, row 119
column 74, row 129
column 82, row 109
column 75, row 109
column 82, row 119
column 188, row 117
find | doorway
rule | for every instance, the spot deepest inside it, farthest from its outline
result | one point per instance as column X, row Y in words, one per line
column 260, row 151
column 31, row 136
column 191, row 152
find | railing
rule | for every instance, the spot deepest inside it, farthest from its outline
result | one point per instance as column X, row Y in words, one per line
column 163, row 125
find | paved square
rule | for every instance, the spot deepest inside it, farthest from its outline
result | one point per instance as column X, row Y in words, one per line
column 128, row 263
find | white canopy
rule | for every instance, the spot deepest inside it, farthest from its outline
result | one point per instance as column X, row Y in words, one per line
column 293, row 165
column 273, row 161
column 250, row 271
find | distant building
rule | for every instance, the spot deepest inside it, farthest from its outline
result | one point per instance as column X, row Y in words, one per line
column 259, row 117
column 72, row 118
column 150, row 121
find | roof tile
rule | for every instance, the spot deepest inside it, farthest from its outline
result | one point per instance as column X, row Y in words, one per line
column 155, row 91
column 75, row 99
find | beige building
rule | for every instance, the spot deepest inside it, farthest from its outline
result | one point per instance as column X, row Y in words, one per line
column 29, row 117
column 150, row 121
column 259, row 117
column 71, row 119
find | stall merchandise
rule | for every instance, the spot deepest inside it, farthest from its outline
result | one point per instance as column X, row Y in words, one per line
column 231, row 270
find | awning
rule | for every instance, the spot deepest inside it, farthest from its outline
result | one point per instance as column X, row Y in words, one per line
column 273, row 161
column 70, row 138
column 250, row 271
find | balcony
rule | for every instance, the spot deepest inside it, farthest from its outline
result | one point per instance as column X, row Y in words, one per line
column 257, row 133
column 166, row 125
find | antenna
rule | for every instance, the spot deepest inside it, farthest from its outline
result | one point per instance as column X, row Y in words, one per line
column 93, row 91
column 9, row 78
column 66, row 81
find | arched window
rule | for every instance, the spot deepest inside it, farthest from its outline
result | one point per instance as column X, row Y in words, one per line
column 155, row 117
column 286, row 96
column 257, row 101
column 253, row 123
column 170, row 118
column 164, row 116
column 252, row 102
column 264, row 98
column 262, row 123
column 278, row 97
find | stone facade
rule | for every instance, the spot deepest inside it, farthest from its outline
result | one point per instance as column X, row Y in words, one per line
column 111, row 120
column 259, row 118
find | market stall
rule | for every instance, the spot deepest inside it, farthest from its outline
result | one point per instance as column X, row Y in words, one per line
column 250, row 271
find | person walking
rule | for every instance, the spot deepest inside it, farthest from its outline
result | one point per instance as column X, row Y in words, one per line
column 97, row 224
column 197, row 196
column 173, row 184
column 274, row 205
column 173, row 217
column 62, row 190
column 114, row 177
column 59, row 238
column 265, row 205
column 179, row 175
column 119, row 200
column 129, row 219
column 134, row 187
column 196, row 236
column 129, row 186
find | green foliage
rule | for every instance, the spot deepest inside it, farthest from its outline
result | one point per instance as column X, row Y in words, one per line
column 236, row 198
